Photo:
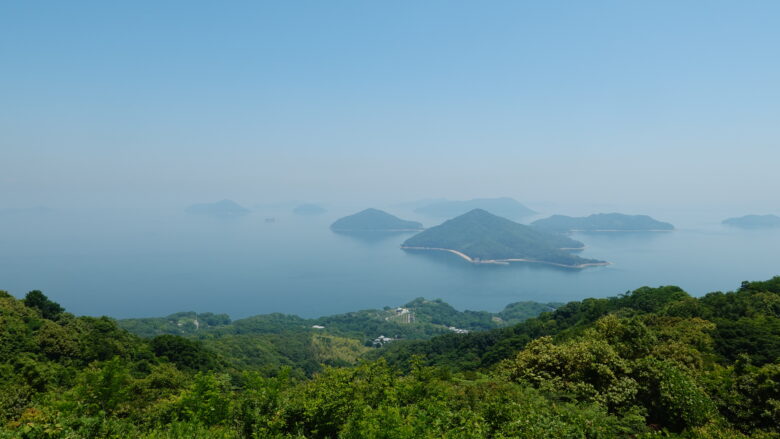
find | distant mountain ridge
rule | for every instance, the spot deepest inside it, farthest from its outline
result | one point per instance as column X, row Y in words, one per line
column 374, row 220
column 506, row 207
column 601, row 222
column 219, row 208
column 754, row 221
column 481, row 237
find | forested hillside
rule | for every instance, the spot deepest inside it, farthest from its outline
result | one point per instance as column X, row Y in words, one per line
column 269, row 342
column 654, row 362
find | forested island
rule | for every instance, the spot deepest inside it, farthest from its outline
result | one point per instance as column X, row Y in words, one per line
column 374, row 220
column 602, row 222
column 506, row 207
column 219, row 208
column 653, row 362
column 481, row 237
column 754, row 222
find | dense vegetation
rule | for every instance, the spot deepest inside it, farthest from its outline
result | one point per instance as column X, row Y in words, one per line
column 374, row 220
column 484, row 236
column 754, row 221
column 269, row 342
column 654, row 362
column 506, row 207
column 601, row 222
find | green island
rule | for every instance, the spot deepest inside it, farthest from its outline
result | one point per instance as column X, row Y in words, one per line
column 506, row 207
column 754, row 221
column 481, row 237
column 602, row 222
column 653, row 362
column 374, row 220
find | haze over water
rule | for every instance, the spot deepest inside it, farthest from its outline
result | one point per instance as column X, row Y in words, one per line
column 131, row 263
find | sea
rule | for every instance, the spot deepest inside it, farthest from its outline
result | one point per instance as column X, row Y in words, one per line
column 142, row 263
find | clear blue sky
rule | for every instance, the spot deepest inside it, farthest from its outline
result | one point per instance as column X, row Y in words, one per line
column 548, row 101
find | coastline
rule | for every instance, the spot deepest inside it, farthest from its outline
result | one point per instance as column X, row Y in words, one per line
column 505, row 261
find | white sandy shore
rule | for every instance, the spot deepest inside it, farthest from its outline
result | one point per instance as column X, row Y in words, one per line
column 504, row 261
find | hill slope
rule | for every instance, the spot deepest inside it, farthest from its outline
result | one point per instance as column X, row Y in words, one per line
column 649, row 363
column 269, row 342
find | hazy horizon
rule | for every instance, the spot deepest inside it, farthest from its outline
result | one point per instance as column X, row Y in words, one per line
column 663, row 104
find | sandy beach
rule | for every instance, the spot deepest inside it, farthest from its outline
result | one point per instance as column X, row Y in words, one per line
column 504, row 261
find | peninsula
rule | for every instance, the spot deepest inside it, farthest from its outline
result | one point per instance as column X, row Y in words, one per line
column 374, row 220
column 483, row 238
column 602, row 222
column 754, row 221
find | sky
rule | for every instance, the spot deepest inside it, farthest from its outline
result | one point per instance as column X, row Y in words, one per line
column 148, row 103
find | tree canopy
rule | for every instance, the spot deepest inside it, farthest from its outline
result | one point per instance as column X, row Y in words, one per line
column 651, row 362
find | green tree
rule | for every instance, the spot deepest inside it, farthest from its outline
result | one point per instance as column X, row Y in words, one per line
column 184, row 353
column 49, row 309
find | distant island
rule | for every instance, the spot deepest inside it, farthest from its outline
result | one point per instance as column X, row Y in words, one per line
column 309, row 209
column 374, row 220
column 754, row 221
column 224, row 208
column 506, row 207
column 481, row 237
column 602, row 222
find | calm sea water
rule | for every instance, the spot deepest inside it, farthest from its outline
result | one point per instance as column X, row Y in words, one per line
column 135, row 263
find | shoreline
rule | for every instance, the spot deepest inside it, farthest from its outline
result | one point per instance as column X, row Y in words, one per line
column 505, row 261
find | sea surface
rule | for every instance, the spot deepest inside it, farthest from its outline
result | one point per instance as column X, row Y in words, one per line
column 136, row 263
